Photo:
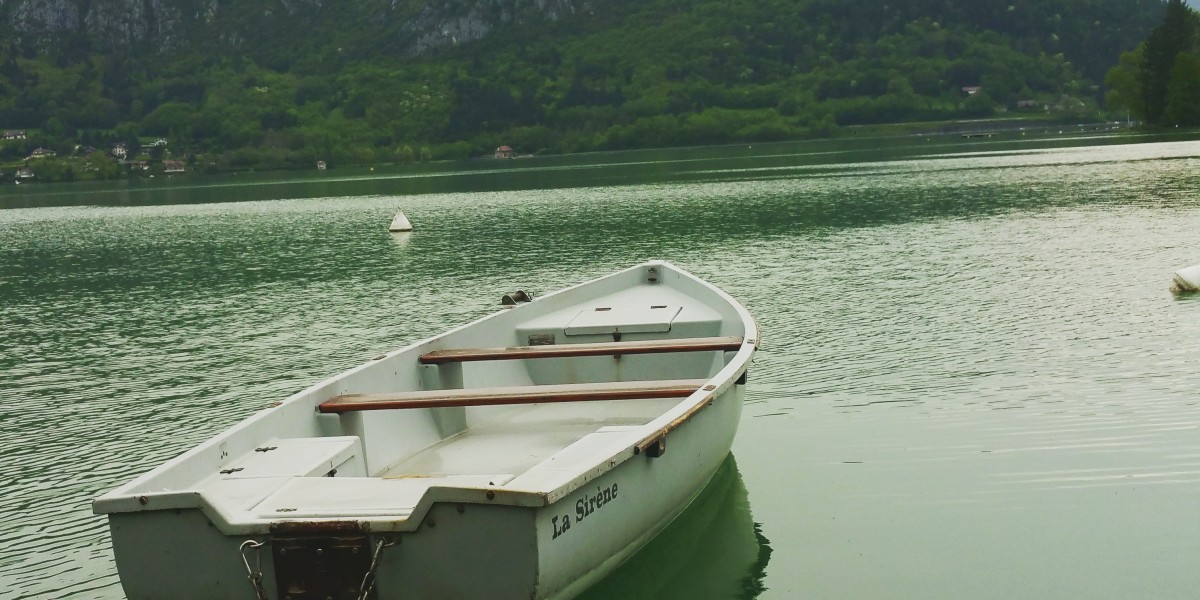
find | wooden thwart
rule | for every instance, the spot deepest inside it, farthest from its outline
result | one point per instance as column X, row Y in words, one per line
column 527, row 394
column 571, row 350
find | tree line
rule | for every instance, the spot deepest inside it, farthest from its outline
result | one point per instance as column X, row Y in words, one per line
column 1159, row 80
column 641, row 73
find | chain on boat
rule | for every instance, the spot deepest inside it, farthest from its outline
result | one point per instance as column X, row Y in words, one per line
column 368, row 582
column 255, row 575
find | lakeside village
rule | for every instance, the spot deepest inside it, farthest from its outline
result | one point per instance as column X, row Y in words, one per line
column 86, row 162
column 152, row 158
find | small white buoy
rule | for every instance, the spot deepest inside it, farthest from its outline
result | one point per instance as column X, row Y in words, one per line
column 1186, row 280
column 400, row 223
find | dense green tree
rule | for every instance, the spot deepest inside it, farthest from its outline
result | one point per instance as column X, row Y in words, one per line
column 1183, row 93
column 167, row 116
column 55, row 169
column 1176, row 35
column 1156, row 80
column 101, row 166
column 1124, row 83
column 405, row 156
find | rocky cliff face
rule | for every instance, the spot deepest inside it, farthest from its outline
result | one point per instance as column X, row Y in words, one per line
column 435, row 26
column 413, row 26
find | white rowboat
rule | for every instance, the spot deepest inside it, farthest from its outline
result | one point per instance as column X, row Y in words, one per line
column 521, row 456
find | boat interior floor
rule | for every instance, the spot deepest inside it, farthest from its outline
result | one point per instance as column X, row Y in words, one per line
column 520, row 439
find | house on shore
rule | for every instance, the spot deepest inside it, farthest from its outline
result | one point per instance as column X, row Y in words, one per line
column 174, row 166
column 14, row 134
column 504, row 152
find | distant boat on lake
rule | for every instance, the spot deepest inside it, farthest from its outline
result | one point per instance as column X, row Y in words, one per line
column 400, row 223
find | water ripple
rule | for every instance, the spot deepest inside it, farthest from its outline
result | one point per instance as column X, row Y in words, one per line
column 945, row 338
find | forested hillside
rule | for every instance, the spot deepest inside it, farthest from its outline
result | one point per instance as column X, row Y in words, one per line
column 270, row 83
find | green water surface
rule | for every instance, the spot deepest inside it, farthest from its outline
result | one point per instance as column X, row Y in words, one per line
column 974, row 382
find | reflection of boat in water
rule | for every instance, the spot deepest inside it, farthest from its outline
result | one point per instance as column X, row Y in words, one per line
column 714, row 550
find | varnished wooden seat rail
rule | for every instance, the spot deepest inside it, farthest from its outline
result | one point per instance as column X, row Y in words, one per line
column 526, row 394
column 571, row 350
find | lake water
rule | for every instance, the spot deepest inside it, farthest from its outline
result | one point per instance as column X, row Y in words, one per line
column 974, row 382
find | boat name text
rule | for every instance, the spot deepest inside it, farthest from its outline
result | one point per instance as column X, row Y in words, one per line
column 584, row 507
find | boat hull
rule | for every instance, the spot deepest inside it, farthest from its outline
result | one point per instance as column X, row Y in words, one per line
column 646, row 495
column 460, row 550
column 326, row 492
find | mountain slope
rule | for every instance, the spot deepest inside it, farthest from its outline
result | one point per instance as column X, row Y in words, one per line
column 283, row 82
column 166, row 27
